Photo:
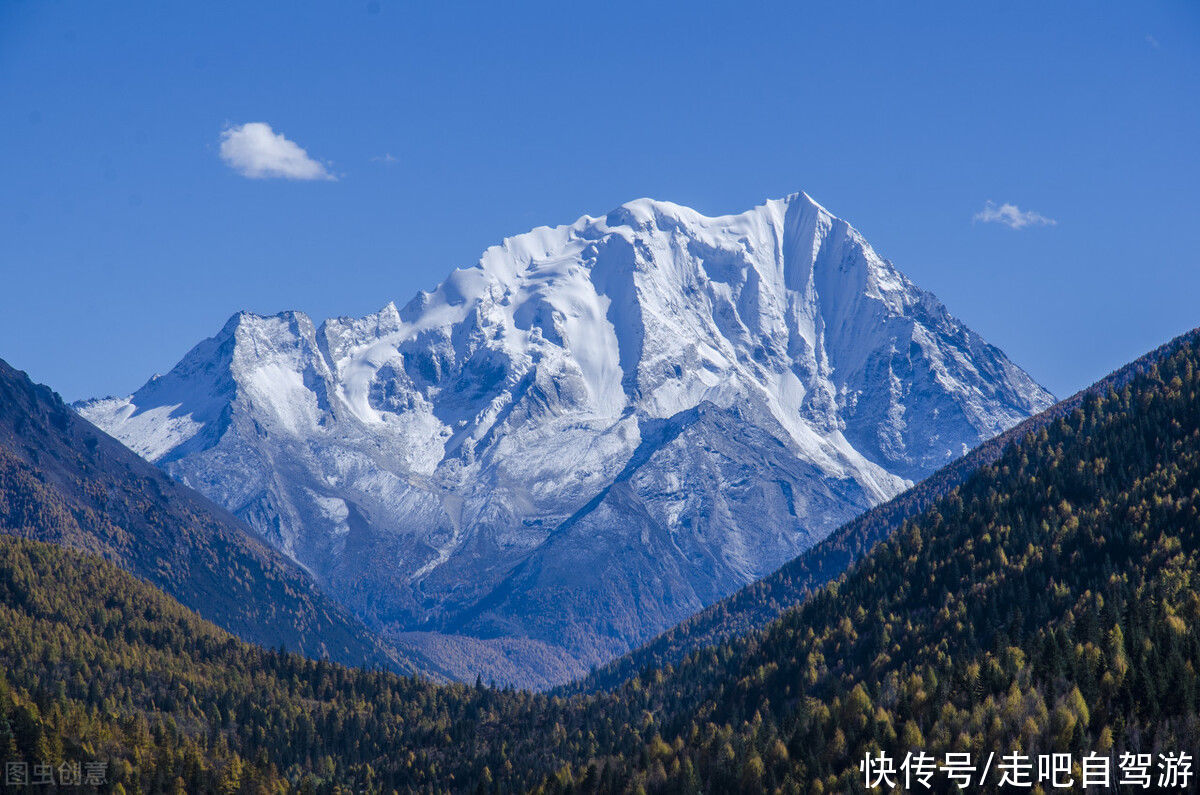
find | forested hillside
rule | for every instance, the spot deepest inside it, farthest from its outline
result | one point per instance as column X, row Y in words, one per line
column 102, row 667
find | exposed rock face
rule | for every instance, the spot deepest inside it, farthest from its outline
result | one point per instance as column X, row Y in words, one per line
column 588, row 436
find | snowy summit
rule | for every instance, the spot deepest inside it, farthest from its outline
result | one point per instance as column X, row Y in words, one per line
column 591, row 434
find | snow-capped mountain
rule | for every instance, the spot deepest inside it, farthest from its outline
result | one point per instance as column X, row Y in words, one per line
column 591, row 434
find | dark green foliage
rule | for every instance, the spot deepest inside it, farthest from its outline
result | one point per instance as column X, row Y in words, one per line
column 99, row 665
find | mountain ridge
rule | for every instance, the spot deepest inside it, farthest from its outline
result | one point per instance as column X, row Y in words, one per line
column 418, row 459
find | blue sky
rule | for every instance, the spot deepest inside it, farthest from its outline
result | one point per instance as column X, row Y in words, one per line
column 125, row 237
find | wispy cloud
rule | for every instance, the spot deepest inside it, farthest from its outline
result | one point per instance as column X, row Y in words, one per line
column 256, row 151
column 387, row 158
column 1153, row 42
column 1011, row 216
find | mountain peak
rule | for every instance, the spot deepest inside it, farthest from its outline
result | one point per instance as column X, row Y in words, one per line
column 645, row 213
column 532, row 417
column 245, row 319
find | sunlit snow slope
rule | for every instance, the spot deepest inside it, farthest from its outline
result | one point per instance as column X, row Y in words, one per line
column 591, row 434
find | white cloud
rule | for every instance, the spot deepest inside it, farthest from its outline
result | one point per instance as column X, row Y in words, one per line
column 1011, row 216
column 387, row 158
column 256, row 151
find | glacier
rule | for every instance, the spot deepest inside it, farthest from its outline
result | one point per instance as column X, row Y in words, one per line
column 591, row 434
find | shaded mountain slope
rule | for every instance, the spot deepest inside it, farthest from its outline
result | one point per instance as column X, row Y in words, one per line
column 761, row 602
column 64, row 481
